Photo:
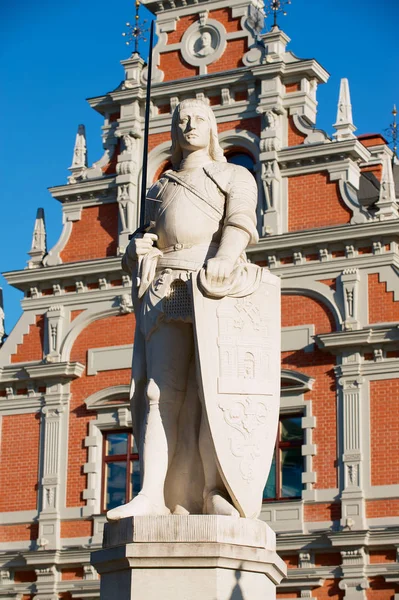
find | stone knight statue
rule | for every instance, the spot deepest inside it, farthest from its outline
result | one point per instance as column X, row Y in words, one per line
column 206, row 364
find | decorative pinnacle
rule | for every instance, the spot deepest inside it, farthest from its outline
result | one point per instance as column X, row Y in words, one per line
column 136, row 30
column 275, row 7
column 392, row 133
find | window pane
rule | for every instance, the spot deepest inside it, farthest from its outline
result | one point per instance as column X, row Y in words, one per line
column 115, row 481
column 291, row 429
column 135, row 478
column 134, row 446
column 238, row 158
column 270, row 487
column 291, row 472
column 116, row 443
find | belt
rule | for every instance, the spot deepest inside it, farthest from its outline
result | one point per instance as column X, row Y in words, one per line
column 186, row 256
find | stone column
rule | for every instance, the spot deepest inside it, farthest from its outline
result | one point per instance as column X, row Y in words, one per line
column 354, row 580
column 53, row 420
column 352, row 496
column 200, row 557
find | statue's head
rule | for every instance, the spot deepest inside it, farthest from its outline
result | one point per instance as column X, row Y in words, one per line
column 195, row 110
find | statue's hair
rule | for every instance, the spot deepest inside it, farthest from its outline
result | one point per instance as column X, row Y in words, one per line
column 215, row 150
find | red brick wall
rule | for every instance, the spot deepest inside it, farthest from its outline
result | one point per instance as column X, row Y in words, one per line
column 299, row 310
column 288, row 595
column 111, row 331
column 291, row 561
column 19, row 464
column 295, row 137
column 174, row 65
column 380, row 590
column 72, row 529
column 388, row 507
column 322, row 511
column 382, row 556
column 329, row 591
column 24, row 576
column 313, row 201
column 384, row 425
column 95, row 235
column 382, row 306
column 72, row 574
column 31, row 347
column 17, row 533
column 327, row 559
column 252, row 124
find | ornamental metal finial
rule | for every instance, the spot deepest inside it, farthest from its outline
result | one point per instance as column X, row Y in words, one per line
column 392, row 133
column 136, row 30
column 275, row 7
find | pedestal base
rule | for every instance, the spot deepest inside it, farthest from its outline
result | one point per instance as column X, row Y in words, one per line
column 196, row 557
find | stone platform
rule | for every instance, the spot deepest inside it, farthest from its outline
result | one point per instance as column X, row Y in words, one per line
column 196, row 557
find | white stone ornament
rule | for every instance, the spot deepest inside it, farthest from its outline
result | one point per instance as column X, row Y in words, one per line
column 203, row 44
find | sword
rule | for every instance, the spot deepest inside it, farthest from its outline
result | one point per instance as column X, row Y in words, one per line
column 143, row 227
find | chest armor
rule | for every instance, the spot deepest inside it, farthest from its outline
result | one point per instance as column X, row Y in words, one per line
column 189, row 209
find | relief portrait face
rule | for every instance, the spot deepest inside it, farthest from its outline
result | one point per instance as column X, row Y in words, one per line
column 193, row 129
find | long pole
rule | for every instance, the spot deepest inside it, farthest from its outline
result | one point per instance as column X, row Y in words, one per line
column 146, row 130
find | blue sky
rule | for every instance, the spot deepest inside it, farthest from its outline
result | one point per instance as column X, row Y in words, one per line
column 53, row 55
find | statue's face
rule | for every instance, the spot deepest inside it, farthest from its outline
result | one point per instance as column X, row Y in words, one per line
column 206, row 39
column 193, row 129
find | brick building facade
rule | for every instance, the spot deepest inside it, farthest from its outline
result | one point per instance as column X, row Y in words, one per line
column 328, row 220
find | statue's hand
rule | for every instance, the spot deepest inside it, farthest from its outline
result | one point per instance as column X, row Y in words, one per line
column 219, row 269
column 142, row 244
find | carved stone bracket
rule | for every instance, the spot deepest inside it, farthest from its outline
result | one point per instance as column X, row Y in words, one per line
column 349, row 283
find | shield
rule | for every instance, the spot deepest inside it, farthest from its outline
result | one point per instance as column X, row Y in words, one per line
column 238, row 345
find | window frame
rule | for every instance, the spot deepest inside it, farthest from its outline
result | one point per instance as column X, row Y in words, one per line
column 280, row 445
column 127, row 458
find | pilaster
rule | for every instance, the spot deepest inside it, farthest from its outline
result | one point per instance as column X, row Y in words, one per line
column 354, row 580
column 46, row 583
column 350, row 280
column 53, row 469
column 352, row 454
column 54, row 327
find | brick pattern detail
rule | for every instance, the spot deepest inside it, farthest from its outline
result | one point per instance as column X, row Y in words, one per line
column 382, row 556
column 295, row 137
column 287, row 595
column 372, row 139
column 388, row 507
column 375, row 169
column 384, row 425
column 175, row 67
column 31, row 347
column 253, row 124
column 291, row 560
column 332, row 283
column 95, row 235
column 329, row 591
column 24, row 576
column 297, row 310
column 72, row 574
column 18, row 533
column 313, row 201
column 322, row 511
column 327, row 559
column 381, row 590
column 231, row 57
column 292, row 87
column 155, row 139
column 19, row 472
column 382, row 306
column 75, row 314
column 73, row 529
column 111, row 331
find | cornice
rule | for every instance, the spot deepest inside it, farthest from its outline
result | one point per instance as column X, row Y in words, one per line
column 290, row 156
column 19, row 372
column 341, row 340
column 23, row 279
column 326, row 235
column 83, row 190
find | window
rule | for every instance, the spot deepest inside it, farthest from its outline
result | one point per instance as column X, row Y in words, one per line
column 242, row 158
column 285, row 477
column 121, row 469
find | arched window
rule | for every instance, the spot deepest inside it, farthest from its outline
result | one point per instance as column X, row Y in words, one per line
column 238, row 156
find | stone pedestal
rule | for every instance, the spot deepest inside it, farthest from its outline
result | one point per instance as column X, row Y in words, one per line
column 196, row 557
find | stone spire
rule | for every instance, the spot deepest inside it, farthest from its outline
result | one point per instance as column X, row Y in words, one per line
column 38, row 249
column 344, row 126
column 387, row 204
column 79, row 159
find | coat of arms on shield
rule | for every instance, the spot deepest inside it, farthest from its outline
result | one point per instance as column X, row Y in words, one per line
column 238, row 342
